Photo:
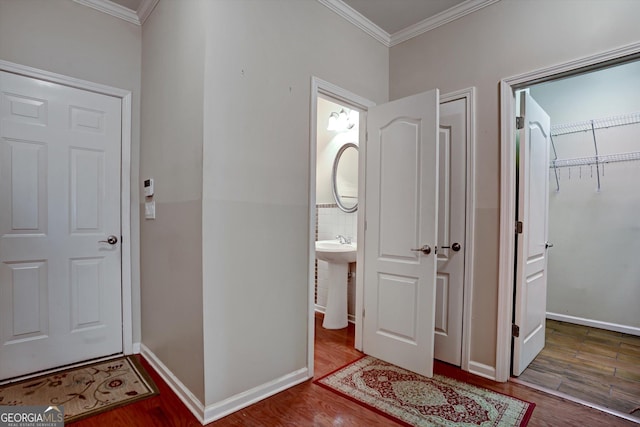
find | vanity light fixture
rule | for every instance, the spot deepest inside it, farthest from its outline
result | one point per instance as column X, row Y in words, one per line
column 342, row 121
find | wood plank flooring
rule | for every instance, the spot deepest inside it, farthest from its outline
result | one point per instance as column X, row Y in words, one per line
column 310, row 405
column 595, row 365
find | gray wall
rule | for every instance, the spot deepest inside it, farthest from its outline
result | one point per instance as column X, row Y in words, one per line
column 502, row 40
column 70, row 39
column 260, row 56
column 243, row 248
column 226, row 136
column 171, row 153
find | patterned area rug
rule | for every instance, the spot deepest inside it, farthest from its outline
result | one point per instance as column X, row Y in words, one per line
column 86, row 390
column 414, row 400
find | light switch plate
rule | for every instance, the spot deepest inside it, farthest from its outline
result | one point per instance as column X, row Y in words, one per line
column 150, row 209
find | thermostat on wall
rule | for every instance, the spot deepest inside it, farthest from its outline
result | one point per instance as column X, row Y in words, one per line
column 148, row 187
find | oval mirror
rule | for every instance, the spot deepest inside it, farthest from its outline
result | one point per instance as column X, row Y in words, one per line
column 345, row 177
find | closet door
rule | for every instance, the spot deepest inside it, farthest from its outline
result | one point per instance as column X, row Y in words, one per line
column 533, row 212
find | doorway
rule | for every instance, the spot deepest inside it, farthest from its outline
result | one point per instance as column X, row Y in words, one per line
column 332, row 96
column 66, row 296
column 592, row 348
column 338, row 139
column 572, row 171
column 457, row 151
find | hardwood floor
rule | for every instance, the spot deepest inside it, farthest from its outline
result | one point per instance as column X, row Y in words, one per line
column 595, row 365
column 310, row 405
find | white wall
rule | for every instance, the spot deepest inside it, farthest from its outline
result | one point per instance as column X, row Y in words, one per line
column 609, row 92
column 328, row 144
column 74, row 40
column 332, row 222
column 593, row 270
column 260, row 57
column 502, row 40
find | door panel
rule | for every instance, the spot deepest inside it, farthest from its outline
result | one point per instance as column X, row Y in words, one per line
column 533, row 208
column 28, row 288
column 60, row 288
column 401, row 215
column 442, row 306
column 399, row 145
column 451, row 229
column 87, row 175
column 397, row 317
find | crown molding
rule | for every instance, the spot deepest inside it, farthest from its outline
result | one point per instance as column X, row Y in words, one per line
column 438, row 20
column 145, row 9
column 114, row 9
column 359, row 20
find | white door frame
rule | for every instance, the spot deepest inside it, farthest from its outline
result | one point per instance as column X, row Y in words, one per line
column 508, row 200
column 321, row 87
column 125, row 190
column 469, row 95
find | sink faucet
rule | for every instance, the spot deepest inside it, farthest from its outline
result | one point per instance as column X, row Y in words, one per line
column 343, row 240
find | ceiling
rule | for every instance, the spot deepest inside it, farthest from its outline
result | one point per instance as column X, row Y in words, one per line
column 390, row 15
column 129, row 4
column 389, row 21
column 395, row 15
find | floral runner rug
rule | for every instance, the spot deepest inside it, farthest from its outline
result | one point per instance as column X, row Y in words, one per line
column 413, row 400
column 84, row 391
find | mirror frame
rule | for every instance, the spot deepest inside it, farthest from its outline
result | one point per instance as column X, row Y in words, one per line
column 334, row 174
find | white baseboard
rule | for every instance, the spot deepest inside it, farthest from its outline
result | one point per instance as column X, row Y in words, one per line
column 482, row 370
column 631, row 330
column 476, row 368
column 136, row 348
column 223, row 408
column 234, row 403
column 570, row 398
column 350, row 317
column 184, row 394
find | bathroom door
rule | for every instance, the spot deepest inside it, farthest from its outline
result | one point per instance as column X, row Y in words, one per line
column 533, row 208
column 452, row 195
column 401, row 231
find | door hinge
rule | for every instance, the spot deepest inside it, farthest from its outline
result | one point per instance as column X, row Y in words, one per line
column 519, row 122
column 519, row 227
column 366, row 136
column 363, row 312
column 365, row 225
column 515, row 330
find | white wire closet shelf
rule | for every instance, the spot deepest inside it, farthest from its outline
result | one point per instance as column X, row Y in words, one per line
column 597, row 159
column 591, row 160
column 588, row 125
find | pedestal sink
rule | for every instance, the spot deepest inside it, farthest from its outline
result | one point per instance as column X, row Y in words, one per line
column 338, row 256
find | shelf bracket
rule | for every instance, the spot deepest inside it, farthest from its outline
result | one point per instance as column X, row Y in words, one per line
column 555, row 167
column 595, row 146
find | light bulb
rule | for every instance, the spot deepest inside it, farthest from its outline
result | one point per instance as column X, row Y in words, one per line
column 333, row 122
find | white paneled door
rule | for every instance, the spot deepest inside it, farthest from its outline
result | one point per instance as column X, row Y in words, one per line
column 60, row 272
column 533, row 209
column 401, row 231
column 451, row 231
